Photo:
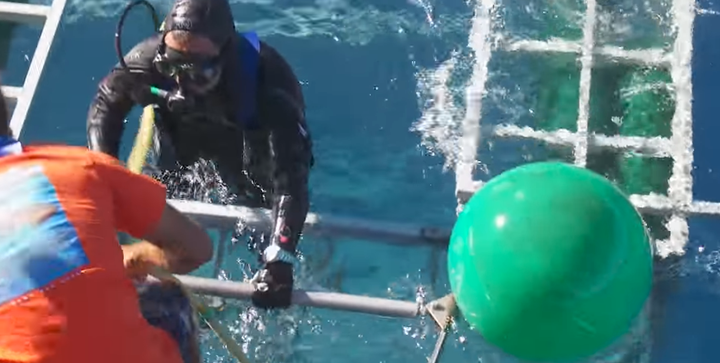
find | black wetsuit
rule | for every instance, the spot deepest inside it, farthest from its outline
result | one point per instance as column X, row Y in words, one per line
column 275, row 155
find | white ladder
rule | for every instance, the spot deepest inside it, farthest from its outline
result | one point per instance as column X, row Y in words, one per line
column 41, row 15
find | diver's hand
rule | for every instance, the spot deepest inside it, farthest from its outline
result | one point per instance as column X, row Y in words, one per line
column 134, row 85
column 274, row 286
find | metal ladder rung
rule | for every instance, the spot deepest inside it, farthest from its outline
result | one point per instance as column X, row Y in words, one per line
column 11, row 93
column 23, row 13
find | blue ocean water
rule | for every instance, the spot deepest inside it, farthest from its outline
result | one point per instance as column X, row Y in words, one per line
column 367, row 70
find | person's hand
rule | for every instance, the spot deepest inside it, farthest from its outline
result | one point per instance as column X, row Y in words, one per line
column 136, row 260
column 278, row 278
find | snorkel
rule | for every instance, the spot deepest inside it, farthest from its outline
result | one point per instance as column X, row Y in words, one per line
column 174, row 99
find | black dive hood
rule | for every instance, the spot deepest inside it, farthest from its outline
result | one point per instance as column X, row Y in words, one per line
column 210, row 18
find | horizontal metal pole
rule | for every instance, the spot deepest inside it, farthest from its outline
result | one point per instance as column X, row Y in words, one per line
column 656, row 56
column 23, row 13
column 324, row 300
column 227, row 217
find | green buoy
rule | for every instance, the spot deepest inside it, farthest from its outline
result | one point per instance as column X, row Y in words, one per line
column 550, row 262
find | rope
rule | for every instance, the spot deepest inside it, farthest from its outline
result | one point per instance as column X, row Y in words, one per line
column 143, row 141
column 136, row 161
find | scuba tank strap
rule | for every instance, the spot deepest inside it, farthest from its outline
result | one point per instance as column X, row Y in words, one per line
column 253, row 39
column 249, row 56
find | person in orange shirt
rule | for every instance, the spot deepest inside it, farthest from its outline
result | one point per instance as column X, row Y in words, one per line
column 66, row 285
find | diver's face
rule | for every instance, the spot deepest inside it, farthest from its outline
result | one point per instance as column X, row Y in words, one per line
column 199, row 51
column 191, row 44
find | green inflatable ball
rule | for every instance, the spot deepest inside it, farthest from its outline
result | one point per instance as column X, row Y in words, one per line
column 550, row 262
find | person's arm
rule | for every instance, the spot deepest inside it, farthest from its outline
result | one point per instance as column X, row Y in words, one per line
column 172, row 241
column 291, row 147
column 117, row 93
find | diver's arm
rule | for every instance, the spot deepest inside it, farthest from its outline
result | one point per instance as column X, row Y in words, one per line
column 291, row 150
column 291, row 147
column 117, row 93
column 106, row 117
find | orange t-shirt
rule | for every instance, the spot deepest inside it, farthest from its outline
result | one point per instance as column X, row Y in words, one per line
column 64, row 296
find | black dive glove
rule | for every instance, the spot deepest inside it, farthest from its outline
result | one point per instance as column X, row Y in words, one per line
column 274, row 286
column 274, row 282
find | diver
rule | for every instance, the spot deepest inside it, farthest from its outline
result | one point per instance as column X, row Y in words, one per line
column 222, row 96
column 66, row 285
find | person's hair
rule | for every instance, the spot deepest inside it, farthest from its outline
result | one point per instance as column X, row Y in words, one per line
column 4, row 117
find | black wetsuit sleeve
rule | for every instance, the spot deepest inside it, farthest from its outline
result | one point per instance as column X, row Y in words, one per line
column 291, row 148
column 117, row 93
column 281, row 108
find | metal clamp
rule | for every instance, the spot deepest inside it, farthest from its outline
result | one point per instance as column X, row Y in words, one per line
column 442, row 312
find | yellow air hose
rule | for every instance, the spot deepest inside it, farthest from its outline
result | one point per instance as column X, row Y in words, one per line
column 136, row 161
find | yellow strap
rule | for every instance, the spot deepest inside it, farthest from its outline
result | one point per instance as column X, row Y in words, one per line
column 138, row 155
column 143, row 141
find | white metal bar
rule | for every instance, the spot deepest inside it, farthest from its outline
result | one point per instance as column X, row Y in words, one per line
column 651, row 146
column 24, row 13
column 480, row 42
column 680, row 182
column 37, row 65
column 586, row 63
column 227, row 217
column 650, row 57
column 327, row 300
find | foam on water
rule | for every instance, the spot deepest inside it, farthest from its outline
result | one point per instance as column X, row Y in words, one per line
column 440, row 125
column 271, row 336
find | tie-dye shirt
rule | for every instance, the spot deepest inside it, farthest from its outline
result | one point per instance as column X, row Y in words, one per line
column 64, row 295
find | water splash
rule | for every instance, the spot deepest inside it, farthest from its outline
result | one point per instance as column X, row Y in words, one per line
column 277, row 335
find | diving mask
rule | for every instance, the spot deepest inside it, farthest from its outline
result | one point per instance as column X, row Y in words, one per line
column 193, row 72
